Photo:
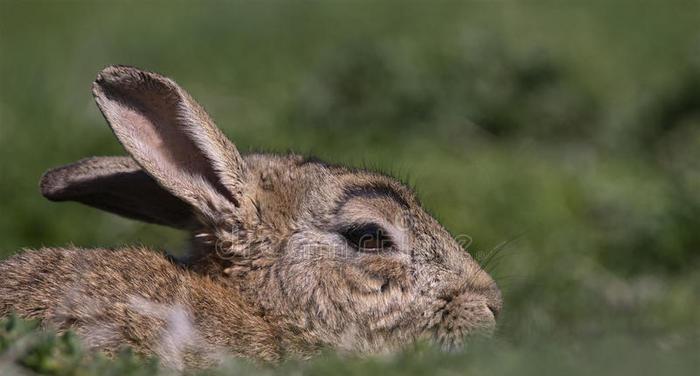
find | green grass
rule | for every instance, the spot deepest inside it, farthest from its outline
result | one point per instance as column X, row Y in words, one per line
column 564, row 137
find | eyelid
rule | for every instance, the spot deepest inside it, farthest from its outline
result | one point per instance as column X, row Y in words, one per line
column 355, row 232
column 361, row 227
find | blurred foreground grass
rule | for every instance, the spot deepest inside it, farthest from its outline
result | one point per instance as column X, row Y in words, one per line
column 25, row 349
column 563, row 139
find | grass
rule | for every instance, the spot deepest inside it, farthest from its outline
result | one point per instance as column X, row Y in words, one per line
column 565, row 138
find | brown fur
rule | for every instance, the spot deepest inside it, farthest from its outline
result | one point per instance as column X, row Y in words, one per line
column 273, row 269
column 135, row 297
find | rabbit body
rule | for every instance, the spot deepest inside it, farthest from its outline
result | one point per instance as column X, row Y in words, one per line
column 135, row 297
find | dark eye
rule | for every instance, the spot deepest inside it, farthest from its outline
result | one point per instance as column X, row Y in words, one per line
column 367, row 237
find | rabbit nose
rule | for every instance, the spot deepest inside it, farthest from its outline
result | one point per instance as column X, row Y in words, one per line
column 494, row 301
column 492, row 296
column 485, row 286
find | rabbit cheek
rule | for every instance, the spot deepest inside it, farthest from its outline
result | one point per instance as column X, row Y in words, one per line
column 364, row 284
column 379, row 294
column 385, row 275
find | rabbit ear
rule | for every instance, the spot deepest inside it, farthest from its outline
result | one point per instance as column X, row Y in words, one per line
column 172, row 138
column 117, row 185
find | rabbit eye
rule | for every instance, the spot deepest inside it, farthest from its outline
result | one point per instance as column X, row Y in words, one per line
column 367, row 238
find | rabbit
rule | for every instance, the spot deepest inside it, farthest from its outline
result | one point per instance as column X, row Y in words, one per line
column 289, row 255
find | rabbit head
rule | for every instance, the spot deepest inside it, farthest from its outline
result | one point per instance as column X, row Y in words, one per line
column 343, row 257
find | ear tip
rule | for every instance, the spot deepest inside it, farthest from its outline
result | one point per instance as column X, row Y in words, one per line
column 127, row 77
column 111, row 72
column 52, row 184
column 115, row 74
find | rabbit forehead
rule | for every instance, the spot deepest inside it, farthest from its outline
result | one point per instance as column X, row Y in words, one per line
column 316, row 190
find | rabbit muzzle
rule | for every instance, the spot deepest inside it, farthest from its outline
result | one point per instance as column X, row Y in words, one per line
column 467, row 314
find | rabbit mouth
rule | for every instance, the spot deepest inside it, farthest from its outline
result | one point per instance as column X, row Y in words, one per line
column 462, row 317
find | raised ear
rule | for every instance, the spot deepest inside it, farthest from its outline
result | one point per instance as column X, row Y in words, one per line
column 172, row 138
column 117, row 185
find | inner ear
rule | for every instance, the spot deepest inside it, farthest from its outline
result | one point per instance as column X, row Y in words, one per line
column 172, row 138
column 157, row 121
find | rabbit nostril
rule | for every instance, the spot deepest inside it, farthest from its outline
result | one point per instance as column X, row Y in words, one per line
column 385, row 286
column 494, row 308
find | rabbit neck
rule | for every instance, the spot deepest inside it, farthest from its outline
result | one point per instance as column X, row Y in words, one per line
column 226, row 323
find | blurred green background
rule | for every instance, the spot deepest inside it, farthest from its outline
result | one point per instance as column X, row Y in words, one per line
column 562, row 137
